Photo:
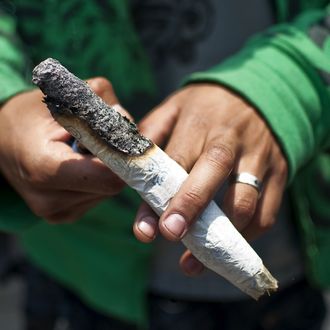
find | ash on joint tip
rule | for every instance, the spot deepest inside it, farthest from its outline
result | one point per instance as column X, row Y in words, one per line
column 67, row 94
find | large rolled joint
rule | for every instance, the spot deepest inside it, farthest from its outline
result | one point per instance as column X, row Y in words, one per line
column 151, row 172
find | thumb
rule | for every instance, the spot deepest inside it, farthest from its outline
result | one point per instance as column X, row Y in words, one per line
column 158, row 124
column 103, row 88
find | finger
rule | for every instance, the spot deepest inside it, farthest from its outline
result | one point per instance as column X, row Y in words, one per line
column 187, row 140
column 64, row 201
column 267, row 209
column 47, row 203
column 122, row 111
column 58, row 133
column 64, row 169
column 190, row 265
column 145, row 226
column 103, row 88
column 88, row 175
column 73, row 214
column 209, row 172
column 158, row 124
column 241, row 199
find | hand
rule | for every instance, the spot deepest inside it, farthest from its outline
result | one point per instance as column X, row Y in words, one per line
column 212, row 133
column 57, row 183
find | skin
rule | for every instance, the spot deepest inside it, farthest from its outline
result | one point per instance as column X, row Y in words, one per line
column 57, row 184
column 225, row 135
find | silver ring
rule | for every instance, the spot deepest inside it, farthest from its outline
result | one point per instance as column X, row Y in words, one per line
column 249, row 179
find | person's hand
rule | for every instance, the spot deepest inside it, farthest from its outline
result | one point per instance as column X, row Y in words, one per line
column 213, row 133
column 57, row 183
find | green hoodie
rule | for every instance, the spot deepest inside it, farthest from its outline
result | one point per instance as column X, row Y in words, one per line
column 98, row 257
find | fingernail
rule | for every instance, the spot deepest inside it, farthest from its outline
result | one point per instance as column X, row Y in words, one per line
column 176, row 224
column 192, row 266
column 147, row 226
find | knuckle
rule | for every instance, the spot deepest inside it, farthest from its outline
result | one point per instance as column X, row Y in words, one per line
column 244, row 209
column 232, row 134
column 100, row 85
column 193, row 198
column 280, row 173
column 143, row 126
column 34, row 174
column 37, row 179
column 221, row 155
column 181, row 161
column 42, row 207
column 282, row 169
column 266, row 224
column 195, row 120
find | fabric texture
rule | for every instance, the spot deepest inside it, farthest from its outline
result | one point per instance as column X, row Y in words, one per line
column 12, row 61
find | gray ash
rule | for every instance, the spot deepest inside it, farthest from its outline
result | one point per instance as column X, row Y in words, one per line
column 65, row 93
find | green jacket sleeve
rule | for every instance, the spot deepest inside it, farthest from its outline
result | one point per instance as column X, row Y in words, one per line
column 12, row 61
column 14, row 215
column 285, row 73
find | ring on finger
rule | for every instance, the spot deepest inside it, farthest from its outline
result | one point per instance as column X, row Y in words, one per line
column 249, row 179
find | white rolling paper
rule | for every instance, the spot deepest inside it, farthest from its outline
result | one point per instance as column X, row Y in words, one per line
column 212, row 239
column 146, row 168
